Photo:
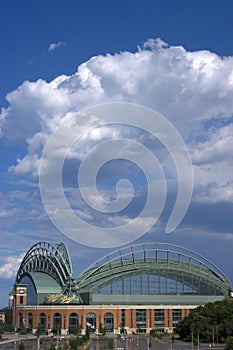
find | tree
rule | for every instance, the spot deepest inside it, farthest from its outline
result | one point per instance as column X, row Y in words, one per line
column 73, row 344
column 211, row 322
column 229, row 343
column 39, row 330
column 38, row 333
column 52, row 347
column 65, row 346
column 102, row 329
column 22, row 329
column 86, row 337
column 110, row 344
column 21, row 346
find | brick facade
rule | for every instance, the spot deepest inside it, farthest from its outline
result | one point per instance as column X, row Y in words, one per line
column 24, row 313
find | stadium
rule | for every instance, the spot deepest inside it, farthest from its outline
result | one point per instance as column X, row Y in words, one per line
column 133, row 289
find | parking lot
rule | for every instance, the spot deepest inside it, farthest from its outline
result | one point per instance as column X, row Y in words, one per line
column 130, row 342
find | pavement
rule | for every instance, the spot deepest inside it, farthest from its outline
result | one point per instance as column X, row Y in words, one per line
column 129, row 342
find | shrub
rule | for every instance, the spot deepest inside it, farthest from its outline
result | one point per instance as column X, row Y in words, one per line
column 21, row 346
column 110, row 344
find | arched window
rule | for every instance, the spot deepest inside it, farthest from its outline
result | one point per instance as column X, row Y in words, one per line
column 73, row 323
column 109, row 322
column 42, row 320
column 21, row 320
column 30, row 321
column 91, row 323
column 57, row 322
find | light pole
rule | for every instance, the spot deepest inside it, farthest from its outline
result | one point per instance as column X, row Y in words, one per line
column 38, row 342
column 213, row 336
column 148, row 341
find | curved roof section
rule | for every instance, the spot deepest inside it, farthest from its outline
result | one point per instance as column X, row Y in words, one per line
column 48, row 258
column 42, row 282
column 175, row 262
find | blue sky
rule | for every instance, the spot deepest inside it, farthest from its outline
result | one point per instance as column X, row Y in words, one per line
column 60, row 57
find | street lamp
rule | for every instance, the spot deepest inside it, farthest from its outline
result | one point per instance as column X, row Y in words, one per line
column 198, row 338
column 148, row 341
column 192, row 338
column 213, row 336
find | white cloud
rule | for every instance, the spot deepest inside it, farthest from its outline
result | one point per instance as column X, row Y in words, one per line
column 218, row 147
column 54, row 46
column 184, row 86
column 9, row 269
column 213, row 166
column 29, row 164
column 188, row 88
column 7, row 213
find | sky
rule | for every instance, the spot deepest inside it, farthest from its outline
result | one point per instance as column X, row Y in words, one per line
column 170, row 60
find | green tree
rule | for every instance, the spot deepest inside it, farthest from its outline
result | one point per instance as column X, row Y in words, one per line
column 38, row 333
column 22, row 329
column 39, row 330
column 74, row 344
column 21, row 346
column 211, row 322
column 52, row 347
column 86, row 337
column 110, row 344
column 229, row 343
column 65, row 346
column 102, row 329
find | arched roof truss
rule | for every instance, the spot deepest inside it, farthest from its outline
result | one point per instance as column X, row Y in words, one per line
column 162, row 259
column 49, row 258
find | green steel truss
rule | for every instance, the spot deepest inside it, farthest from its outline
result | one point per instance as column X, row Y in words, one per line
column 153, row 264
column 49, row 258
column 169, row 261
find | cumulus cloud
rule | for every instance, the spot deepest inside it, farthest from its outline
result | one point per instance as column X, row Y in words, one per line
column 213, row 166
column 182, row 85
column 10, row 266
column 218, row 147
column 193, row 90
column 54, row 46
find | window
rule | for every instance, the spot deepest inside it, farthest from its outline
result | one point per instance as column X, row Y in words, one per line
column 176, row 317
column 91, row 323
column 42, row 320
column 30, row 321
column 57, row 322
column 123, row 317
column 109, row 322
column 141, row 320
column 21, row 320
column 159, row 320
column 73, row 323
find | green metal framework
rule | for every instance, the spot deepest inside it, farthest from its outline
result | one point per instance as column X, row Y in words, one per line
column 168, row 262
column 142, row 273
column 52, row 259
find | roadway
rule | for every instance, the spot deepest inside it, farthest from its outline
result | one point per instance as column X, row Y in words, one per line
column 142, row 343
column 129, row 342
